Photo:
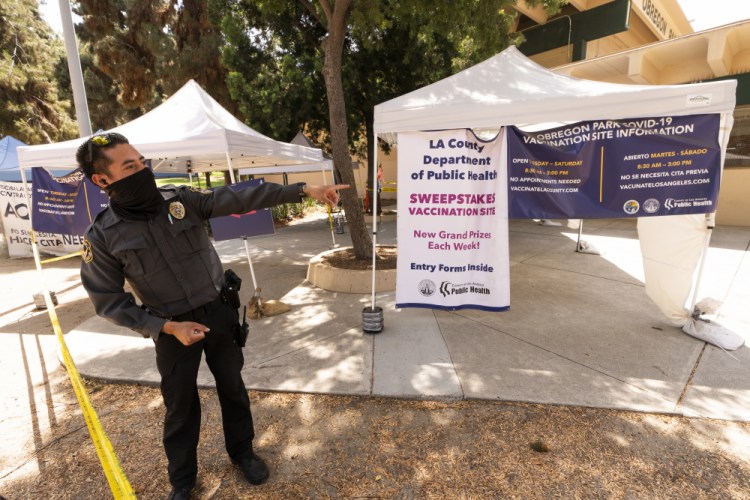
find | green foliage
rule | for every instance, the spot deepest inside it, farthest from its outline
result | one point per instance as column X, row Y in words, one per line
column 274, row 71
column 274, row 56
column 290, row 211
column 299, row 210
column 135, row 54
column 281, row 213
column 32, row 110
column 552, row 7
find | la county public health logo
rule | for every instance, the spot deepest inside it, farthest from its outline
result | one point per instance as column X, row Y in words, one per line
column 651, row 206
column 426, row 287
column 631, row 207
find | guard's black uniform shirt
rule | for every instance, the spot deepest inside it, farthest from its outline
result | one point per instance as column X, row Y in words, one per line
column 170, row 263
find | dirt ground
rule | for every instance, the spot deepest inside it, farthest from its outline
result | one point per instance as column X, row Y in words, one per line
column 321, row 446
column 387, row 258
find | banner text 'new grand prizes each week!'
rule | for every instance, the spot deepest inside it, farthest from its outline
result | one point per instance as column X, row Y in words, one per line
column 616, row 168
column 452, row 224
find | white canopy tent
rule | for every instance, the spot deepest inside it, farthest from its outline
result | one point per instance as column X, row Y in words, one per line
column 510, row 89
column 190, row 131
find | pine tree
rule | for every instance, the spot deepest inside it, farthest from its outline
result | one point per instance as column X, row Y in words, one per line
column 31, row 111
column 136, row 54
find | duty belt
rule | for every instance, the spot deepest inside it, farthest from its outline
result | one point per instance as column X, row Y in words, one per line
column 200, row 312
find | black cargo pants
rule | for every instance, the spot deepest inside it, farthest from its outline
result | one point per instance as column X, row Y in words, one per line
column 178, row 366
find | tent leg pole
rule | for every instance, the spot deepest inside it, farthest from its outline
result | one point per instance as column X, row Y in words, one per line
column 580, row 232
column 372, row 317
column 374, row 217
column 702, row 264
column 250, row 262
column 231, row 170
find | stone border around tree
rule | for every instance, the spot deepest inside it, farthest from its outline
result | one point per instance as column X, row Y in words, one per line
column 336, row 279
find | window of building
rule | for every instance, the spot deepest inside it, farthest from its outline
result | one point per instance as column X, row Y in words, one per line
column 738, row 149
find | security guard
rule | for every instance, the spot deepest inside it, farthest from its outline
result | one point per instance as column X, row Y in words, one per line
column 156, row 241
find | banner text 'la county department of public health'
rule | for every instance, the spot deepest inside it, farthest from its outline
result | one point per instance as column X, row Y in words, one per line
column 453, row 223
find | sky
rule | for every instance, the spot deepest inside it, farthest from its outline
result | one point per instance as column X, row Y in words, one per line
column 705, row 14
column 702, row 14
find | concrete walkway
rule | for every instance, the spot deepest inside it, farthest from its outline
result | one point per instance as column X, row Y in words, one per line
column 580, row 331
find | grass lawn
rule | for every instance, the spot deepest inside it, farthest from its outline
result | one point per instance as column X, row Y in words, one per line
column 217, row 179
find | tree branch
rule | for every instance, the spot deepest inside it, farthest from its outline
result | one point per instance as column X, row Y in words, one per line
column 311, row 8
column 326, row 6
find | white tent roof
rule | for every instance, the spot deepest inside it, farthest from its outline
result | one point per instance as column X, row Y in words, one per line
column 510, row 89
column 189, row 126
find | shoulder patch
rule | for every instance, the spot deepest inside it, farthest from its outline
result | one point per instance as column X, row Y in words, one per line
column 87, row 253
column 201, row 191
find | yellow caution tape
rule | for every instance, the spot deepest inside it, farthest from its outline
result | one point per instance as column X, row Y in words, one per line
column 330, row 219
column 62, row 257
column 118, row 482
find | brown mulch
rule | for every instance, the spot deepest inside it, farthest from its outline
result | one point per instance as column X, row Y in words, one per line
column 345, row 258
column 364, row 447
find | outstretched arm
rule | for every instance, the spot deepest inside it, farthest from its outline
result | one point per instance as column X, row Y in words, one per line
column 325, row 194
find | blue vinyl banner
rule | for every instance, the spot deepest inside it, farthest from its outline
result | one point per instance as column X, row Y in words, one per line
column 254, row 223
column 64, row 205
column 615, row 168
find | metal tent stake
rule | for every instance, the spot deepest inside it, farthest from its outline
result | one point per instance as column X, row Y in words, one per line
column 583, row 246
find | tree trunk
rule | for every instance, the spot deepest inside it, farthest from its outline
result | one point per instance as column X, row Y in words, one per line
column 332, row 48
column 208, row 179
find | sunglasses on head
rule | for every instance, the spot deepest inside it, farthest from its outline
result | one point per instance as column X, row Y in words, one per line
column 102, row 140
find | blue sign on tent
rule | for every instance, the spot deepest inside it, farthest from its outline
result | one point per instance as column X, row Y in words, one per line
column 255, row 223
column 64, row 205
column 615, row 168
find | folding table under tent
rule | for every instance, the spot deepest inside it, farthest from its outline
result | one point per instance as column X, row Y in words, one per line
column 510, row 89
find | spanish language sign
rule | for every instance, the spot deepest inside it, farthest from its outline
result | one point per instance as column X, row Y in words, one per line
column 65, row 205
column 17, row 226
column 254, row 223
column 615, row 168
column 452, row 222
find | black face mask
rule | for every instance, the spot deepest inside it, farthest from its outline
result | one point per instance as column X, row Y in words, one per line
column 136, row 197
